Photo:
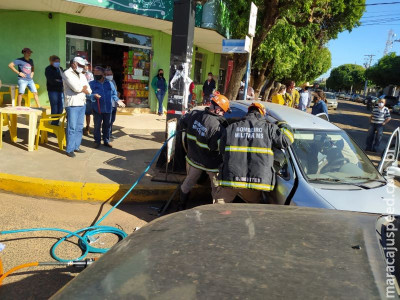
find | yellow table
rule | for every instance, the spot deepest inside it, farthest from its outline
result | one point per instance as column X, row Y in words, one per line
column 13, row 112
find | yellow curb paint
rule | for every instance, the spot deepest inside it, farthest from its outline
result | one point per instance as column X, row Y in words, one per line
column 79, row 191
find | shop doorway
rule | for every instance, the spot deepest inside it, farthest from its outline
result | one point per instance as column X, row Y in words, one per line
column 110, row 55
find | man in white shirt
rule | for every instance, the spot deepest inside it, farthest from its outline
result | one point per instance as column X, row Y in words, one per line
column 305, row 97
column 76, row 88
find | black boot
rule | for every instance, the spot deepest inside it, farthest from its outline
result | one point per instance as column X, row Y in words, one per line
column 183, row 199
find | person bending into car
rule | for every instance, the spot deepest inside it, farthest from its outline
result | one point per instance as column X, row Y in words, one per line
column 203, row 131
column 248, row 157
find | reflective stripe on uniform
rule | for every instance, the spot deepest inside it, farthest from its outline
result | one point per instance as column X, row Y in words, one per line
column 288, row 134
column 247, row 185
column 200, row 167
column 249, row 149
column 193, row 138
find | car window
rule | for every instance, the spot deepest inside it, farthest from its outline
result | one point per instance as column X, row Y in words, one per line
column 282, row 166
column 332, row 156
column 235, row 113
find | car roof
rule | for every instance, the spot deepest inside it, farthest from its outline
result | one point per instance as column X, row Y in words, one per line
column 297, row 119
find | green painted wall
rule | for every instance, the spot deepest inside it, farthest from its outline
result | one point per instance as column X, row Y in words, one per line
column 47, row 37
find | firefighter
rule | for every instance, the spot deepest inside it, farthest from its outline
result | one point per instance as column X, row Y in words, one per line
column 203, row 132
column 247, row 149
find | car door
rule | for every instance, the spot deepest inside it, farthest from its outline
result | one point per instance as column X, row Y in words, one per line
column 389, row 162
column 285, row 177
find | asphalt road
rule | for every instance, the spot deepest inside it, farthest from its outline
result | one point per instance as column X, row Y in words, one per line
column 24, row 212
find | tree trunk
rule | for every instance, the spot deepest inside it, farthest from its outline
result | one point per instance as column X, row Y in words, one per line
column 259, row 81
column 268, row 89
column 239, row 69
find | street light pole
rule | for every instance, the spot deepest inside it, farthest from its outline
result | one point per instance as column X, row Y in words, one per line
column 251, row 33
column 367, row 65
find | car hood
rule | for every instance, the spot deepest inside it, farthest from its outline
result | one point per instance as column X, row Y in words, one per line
column 381, row 200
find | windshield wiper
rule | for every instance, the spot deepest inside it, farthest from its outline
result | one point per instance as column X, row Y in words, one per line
column 366, row 178
column 325, row 179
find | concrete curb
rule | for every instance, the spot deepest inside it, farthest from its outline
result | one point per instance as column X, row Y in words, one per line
column 82, row 191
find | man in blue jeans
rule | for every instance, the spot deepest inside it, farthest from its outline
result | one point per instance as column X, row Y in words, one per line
column 55, row 88
column 76, row 88
column 379, row 118
column 160, row 87
column 25, row 74
column 104, row 94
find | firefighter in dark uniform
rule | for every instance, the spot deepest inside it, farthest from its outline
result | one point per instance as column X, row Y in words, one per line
column 203, row 132
column 248, row 157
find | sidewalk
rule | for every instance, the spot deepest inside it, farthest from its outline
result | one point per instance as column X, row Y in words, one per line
column 97, row 175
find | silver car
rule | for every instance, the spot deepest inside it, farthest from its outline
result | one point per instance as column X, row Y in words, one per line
column 331, row 100
column 325, row 168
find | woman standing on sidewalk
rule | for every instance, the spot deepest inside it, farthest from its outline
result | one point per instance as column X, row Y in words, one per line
column 160, row 87
column 55, row 88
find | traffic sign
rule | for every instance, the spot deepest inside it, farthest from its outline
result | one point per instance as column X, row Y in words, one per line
column 253, row 20
column 236, row 46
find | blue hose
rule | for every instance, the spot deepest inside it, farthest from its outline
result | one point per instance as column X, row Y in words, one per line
column 92, row 230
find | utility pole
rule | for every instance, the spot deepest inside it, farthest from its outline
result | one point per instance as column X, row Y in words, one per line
column 389, row 42
column 251, row 33
column 367, row 65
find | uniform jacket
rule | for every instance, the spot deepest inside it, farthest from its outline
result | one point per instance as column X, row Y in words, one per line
column 248, row 156
column 203, row 132
column 73, row 85
column 108, row 95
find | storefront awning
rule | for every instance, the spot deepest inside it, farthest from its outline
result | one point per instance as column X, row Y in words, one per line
column 204, row 38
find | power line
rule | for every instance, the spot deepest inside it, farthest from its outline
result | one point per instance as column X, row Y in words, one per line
column 381, row 3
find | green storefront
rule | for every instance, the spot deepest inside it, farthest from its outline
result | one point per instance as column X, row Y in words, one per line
column 131, row 36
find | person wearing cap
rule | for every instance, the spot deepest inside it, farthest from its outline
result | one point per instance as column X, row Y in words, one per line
column 76, row 89
column 305, row 97
column 247, row 150
column 203, row 131
column 25, row 73
column 105, row 94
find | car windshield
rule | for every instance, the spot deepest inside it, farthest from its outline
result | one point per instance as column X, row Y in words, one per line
column 331, row 156
column 330, row 96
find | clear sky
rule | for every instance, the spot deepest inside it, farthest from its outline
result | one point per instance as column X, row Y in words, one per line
column 370, row 37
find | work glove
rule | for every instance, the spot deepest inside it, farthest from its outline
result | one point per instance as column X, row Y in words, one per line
column 284, row 124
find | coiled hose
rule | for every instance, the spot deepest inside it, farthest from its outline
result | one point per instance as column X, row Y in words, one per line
column 88, row 232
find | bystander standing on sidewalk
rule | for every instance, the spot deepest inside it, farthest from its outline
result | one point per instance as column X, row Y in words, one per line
column 209, row 87
column 292, row 96
column 25, row 74
column 159, row 85
column 88, row 108
column 108, row 73
column 55, row 88
column 379, row 118
column 305, row 97
column 278, row 97
column 104, row 94
column 76, row 88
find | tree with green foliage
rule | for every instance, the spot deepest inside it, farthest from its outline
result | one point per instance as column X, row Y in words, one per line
column 322, row 19
column 347, row 77
column 386, row 71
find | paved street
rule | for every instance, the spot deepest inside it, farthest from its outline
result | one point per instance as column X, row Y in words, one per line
column 24, row 212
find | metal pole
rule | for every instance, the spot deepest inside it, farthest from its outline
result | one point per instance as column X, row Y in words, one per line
column 248, row 70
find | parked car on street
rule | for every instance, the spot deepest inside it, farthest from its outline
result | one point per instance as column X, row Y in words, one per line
column 347, row 96
column 396, row 108
column 324, row 167
column 390, row 100
column 331, row 100
column 341, row 95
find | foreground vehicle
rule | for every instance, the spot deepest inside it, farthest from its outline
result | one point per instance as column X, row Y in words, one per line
column 331, row 100
column 248, row 251
column 324, row 167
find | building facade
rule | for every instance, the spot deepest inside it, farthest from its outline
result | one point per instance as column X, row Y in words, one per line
column 132, row 37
